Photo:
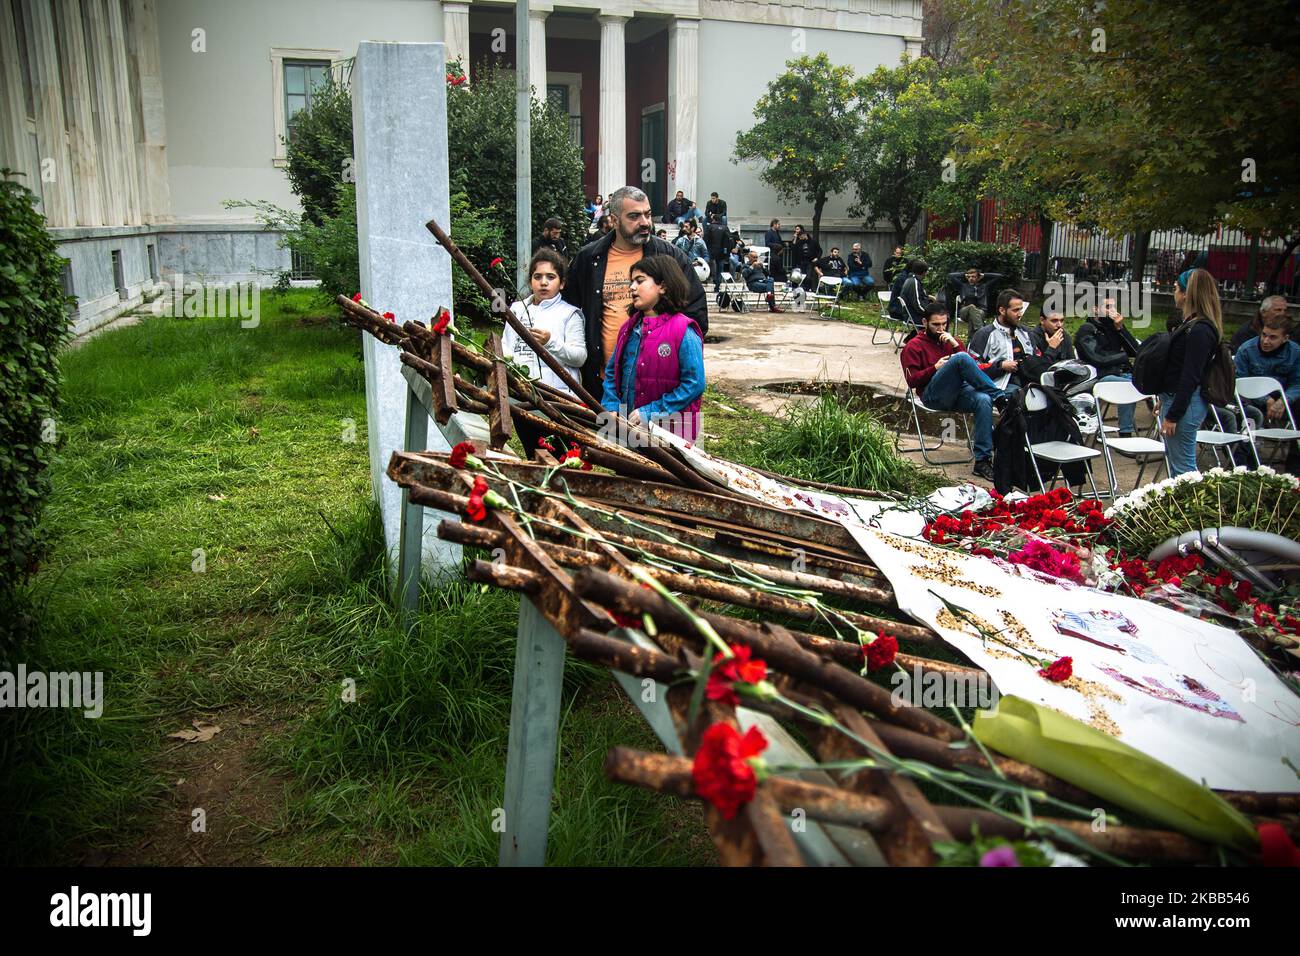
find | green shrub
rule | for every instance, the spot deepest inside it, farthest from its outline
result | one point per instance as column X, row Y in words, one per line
column 33, row 324
column 955, row 256
column 321, row 151
column 823, row 441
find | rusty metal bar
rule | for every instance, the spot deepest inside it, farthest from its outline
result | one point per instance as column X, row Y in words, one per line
column 500, row 420
column 504, row 576
column 367, row 320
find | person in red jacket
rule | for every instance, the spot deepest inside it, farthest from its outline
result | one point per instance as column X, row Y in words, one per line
column 945, row 377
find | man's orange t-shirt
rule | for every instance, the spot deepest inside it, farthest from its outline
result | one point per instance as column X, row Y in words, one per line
column 616, row 296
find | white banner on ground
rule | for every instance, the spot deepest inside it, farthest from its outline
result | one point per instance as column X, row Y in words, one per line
column 1183, row 690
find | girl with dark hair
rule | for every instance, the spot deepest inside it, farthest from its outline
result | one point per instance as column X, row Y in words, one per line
column 558, row 326
column 657, row 370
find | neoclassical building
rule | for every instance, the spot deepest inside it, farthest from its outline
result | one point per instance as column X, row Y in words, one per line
column 135, row 120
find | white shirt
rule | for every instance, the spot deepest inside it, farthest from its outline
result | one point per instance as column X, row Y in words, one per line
column 568, row 341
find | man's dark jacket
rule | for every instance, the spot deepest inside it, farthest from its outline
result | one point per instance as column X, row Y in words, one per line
column 587, row 280
column 1012, row 465
column 715, row 239
column 1108, row 349
column 716, row 207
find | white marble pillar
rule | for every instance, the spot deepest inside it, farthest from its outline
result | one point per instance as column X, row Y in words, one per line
column 111, row 169
column 123, row 114
column 399, row 137
column 83, row 148
column 47, row 93
column 613, row 105
column 151, row 153
column 15, row 150
column 455, row 33
column 684, row 107
column 537, row 52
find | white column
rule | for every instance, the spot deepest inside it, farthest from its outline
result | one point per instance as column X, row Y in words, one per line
column 613, row 105
column 399, row 137
column 684, row 106
column 83, row 147
column 455, row 33
column 47, row 95
column 155, row 189
column 123, row 109
column 111, row 165
column 14, row 148
column 537, row 52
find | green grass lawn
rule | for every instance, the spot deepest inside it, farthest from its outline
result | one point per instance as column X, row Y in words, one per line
column 214, row 551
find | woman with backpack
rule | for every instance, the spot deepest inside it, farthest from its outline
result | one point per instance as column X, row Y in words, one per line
column 1193, row 345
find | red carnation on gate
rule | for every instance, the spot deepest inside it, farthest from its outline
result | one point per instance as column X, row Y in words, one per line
column 390, row 317
column 543, row 443
column 573, row 458
column 881, row 652
column 440, row 324
column 730, row 670
column 356, row 297
column 495, row 262
column 1276, row 848
column 476, row 510
column 723, row 769
column 458, row 454
column 1059, row 671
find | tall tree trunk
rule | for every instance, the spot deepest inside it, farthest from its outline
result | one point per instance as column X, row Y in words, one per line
column 1139, row 262
column 1044, row 250
column 900, row 232
column 818, row 206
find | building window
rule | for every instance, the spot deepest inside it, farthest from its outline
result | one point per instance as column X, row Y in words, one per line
column 119, row 276
column 296, row 74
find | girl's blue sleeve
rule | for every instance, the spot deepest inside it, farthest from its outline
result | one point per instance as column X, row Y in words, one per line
column 609, row 397
column 691, row 358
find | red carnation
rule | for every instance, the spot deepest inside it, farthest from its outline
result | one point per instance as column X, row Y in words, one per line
column 543, row 443
column 722, row 770
column 881, row 652
column 1059, row 671
column 476, row 510
column 495, row 262
column 730, row 670
column 390, row 317
column 356, row 297
column 1275, row 846
column 441, row 322
column 457, row 457
column 572, row 457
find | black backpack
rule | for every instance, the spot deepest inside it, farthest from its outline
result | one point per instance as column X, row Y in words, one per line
column 1218, row 383
column 1152, row 357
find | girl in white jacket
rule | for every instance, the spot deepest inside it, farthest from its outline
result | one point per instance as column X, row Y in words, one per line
column 558, row 326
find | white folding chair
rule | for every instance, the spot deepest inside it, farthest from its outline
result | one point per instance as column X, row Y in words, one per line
column 925, row 447
column 1057, row 452
column 893, row 329
column 1262, row 386
column 1140, row 449
column 1219, row 437
column 826, row 302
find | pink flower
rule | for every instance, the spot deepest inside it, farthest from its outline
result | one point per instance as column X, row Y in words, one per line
column 1000, row 856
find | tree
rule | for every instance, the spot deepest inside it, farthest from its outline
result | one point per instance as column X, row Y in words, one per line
column 1170, row 115
column 805, row 133
column 911, row 113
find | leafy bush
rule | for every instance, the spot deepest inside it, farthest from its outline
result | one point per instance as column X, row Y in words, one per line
column 321, row 147
column 823, row 441
column 955, row 256
column 34, row 325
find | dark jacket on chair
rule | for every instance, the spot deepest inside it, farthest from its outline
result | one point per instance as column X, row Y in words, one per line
column 1012, row 467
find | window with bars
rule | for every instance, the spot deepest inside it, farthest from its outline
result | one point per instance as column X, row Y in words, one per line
column 301, row 79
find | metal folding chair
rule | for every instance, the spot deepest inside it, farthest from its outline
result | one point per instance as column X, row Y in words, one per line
column 1262, row 386
column 1219, row 437
column 825, row 303
column 894, row 330
column 925, row 447
column 1138, row 448
column 1057, row 452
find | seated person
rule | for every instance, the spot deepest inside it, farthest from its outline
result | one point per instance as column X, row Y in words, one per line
column 859, row 278
column 946, row 378
column 1274, row 305
column 832, row 265
column 1272, row 353
column 1051, row 340
column 1107, row 346
column 1002, row 346
column 909, row 297
column 757, row 280
column 657, row 370
column 971, row 295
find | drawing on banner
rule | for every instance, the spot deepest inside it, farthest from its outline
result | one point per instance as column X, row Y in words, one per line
column 1109, row 629
column 1203, row 700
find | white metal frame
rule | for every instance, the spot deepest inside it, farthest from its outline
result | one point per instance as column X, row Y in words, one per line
column 1138, row 448
column 1262, row 386
column 924, row 447
column 1057, row 452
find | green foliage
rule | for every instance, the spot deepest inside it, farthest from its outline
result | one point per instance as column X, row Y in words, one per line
column 320, row 155
column 805, row 132
column 909, row 114
column 970, row 854
column 1146, row 115
column 823, row 441
column 33, row 324
column 481, row 146
column 956, row 256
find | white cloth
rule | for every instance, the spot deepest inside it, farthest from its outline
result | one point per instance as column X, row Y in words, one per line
column 568, row 341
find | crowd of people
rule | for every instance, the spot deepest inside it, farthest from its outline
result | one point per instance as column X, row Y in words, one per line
column 1003, row 356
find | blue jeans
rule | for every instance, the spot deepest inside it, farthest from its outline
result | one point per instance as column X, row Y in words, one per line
column 766, row 285
column 1180, row 448
column 961, row 386
column 1125, row 411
